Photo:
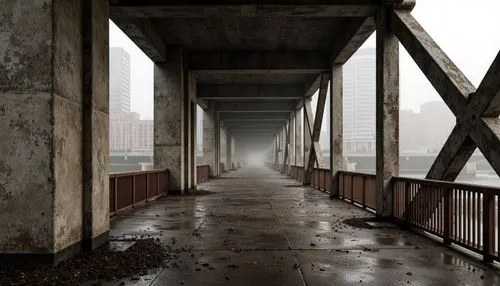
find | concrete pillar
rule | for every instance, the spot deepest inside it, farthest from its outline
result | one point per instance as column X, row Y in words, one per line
column 234, row 156
column 307, row 142
column 191, row 123
column 223, row 148
column 229, row 151
column 217, row 143
column 54, row 104
column 336, row 132
column 299, row 159
column 171, row 145
column 291, row 151
column 209, row 142
column 387, row 112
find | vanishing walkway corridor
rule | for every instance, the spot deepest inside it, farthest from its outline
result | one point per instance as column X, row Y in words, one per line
column 261, row 228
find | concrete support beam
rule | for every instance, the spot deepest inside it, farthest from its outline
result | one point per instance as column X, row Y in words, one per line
column 250, row 91
column 217, row 125
column 314, row 128
column 286, row 153
column 256, row 123
column 54, row 105
column 336, row 131
column 443, row 74
column 95, row 123
column 254, row 128
column 357, row 31
column 296, row 62
column 171, row 144
column 144, row 34
column 387, row 112
column 229, row 151
column 155, row 9
column 311, row 87
column 209, row 142
column 291, row 148
column 299, row 158
column 255, row 106
column 223, row 148
column 254, row 116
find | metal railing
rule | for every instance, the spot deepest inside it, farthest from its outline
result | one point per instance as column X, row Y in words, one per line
column 463, row 214
column 128, row 189
column 202, row 173
column 321, row 179
column 358, row 188
column 297, row 173
column 466, row 215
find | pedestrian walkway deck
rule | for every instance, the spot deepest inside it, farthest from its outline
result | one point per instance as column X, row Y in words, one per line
column 262, row 228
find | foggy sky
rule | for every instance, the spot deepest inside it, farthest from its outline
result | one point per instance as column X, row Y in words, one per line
column 468, row 31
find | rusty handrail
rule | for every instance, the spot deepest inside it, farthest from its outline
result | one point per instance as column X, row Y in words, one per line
column 123, row 174
column 129, row 188
column 449, row 185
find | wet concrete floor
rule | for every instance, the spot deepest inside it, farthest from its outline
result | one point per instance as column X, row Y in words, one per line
column 262, row 228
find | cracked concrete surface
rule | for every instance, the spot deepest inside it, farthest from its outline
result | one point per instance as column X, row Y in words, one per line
column 262, row 228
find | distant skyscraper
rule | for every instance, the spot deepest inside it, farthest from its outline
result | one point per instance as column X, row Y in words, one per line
column 128, row 133
column 119, row 80
column 359, row 102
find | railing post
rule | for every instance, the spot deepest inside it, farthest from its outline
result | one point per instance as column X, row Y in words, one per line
column 407, row 204
column 116, row 194
column 157, row 183
column 448, row 215
column 133, row 189
column 147, row 185
column 352, row 188
column 488, row 226
column 364, row 192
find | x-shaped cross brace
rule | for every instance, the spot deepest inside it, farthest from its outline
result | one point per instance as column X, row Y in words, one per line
column 477, row 111
column 313, row 128
column 478, row 125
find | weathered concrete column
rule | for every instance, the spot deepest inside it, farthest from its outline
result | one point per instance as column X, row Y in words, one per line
column 291, row 150
column 234, row 155
column 299, row 158
column 190, row 82
column 54, row 104
column 387, row 112
column 171, row 119
column 217, row 127
column 223, row 148
column 209, row 154
column 336, row 132
column 307, row 142
column 229, row 151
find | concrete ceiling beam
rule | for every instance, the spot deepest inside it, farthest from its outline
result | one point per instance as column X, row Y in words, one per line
column 249, row 91
column 255, row 106
column 254, row 128
column 155, row 9
column 253, row 116
column 292, row 62
column 255, row 123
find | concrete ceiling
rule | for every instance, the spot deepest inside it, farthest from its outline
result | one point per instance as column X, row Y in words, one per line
column 242, row 51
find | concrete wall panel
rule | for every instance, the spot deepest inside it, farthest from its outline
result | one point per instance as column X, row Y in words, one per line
column 26, row 51
column 26, row 183
column 67, row 173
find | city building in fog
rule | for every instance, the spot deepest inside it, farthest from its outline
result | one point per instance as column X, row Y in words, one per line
column 359, row 102
column 119, row 80
column 128, row 133
column 426, row 131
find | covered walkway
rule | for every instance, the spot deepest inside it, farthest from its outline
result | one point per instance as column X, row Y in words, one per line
column 262, row 228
